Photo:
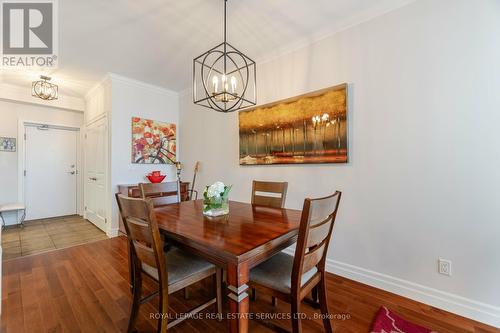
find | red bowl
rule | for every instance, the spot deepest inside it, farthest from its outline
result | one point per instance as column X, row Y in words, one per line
column 155, row 179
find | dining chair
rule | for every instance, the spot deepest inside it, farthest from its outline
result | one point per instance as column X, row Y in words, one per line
column 173, row 271
column 292, row 278
column 276, row 193
column 275, row 198
column 161, row 193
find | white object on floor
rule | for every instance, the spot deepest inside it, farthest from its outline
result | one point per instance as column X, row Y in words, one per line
column 12, row 207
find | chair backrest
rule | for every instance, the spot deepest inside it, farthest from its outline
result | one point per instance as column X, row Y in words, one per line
column 316, row 225
column 161, row 194
column 143, row 234
column 260, row 188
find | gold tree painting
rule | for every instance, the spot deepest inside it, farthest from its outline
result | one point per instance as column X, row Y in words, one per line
column 153, row 142
column 310, row 128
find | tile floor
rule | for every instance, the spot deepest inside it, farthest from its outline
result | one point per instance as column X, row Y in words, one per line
column 48, row 234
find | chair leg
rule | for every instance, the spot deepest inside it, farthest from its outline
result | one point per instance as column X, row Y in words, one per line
column 323, row 302
column 218, row 283
column 253, row 295
column 131, row 268
column 296, row 319
column 314, row 294
column 163, row 310
column 136, row 301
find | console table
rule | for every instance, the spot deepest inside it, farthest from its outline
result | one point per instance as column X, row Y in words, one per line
column 133, row 191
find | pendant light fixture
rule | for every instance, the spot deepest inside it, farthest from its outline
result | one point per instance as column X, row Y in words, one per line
column 224, row 79
column 44, row 89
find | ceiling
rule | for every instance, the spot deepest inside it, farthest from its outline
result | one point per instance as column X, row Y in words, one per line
column 155, row 40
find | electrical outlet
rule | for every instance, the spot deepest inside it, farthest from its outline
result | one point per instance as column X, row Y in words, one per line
column 444, row 266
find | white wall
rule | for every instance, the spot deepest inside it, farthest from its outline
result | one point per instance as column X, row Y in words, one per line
column 130, row 98
column 10, row 113
column 423, row 178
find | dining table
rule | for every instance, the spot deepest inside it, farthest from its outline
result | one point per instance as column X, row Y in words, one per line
column 238, row 241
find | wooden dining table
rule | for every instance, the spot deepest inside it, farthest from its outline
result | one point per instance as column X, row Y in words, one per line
column 247, row 236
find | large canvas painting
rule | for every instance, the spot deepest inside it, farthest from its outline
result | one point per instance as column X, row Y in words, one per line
column 310, row 128
column 153, row 142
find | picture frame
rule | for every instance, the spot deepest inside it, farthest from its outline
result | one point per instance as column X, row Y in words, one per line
column 311, row 128
column 7, row 144
column 153, row 142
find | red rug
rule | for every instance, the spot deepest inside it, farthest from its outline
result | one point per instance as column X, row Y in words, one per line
column 389, row 322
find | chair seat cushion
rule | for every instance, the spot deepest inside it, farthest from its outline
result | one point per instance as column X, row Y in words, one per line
column 180, row 265
column 11, row 206
column 276, row 273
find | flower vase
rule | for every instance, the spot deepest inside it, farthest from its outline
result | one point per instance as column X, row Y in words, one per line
column 217, row 208
column 216, row 199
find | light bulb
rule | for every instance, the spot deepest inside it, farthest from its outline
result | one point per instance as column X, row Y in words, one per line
column 215, row 83
column 224, row 83
column 233, row 84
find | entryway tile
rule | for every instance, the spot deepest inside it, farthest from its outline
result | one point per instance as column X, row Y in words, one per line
column 7, row 245
column 38, row 244
column 33, row 232
column 11, row 252
column 49, row 234
column 9, row 235
column 33, row 222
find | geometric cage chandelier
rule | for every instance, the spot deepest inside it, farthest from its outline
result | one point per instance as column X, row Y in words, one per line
column 224, row 79
column 44, row 89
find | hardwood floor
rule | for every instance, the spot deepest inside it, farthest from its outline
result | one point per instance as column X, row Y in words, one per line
column 48, row 234
column 85, row 289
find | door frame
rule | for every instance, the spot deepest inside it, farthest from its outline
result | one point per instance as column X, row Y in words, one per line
column 110, row 232
column 21, row 158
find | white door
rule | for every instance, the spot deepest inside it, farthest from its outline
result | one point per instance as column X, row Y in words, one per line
column 95, row 173
column 51, row 176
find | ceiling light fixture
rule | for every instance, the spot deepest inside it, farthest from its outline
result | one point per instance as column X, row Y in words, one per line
column 224, row 79
column 44, row 89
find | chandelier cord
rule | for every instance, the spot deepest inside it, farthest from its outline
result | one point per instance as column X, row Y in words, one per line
column 210, row 70
column 225, row 31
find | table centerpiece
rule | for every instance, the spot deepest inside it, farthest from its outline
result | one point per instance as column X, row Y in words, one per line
column 215, row 199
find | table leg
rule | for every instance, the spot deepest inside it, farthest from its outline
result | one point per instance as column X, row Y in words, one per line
column 238, row 298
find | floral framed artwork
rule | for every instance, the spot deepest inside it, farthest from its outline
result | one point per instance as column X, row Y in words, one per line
column 153, row 142
column 7, row 144
column 310, row 128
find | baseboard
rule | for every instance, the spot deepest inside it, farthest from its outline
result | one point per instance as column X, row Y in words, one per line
column 462, row 306
column 481, row 312
column 112, row 233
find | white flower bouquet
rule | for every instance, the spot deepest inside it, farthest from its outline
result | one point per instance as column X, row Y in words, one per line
column 215, row 199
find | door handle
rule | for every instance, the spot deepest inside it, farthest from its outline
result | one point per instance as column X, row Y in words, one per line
column 93, row 178
column 71, row 172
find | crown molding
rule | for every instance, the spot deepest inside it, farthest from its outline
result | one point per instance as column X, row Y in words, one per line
column 104, row 80
column 141, row 84
column 342, row 25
